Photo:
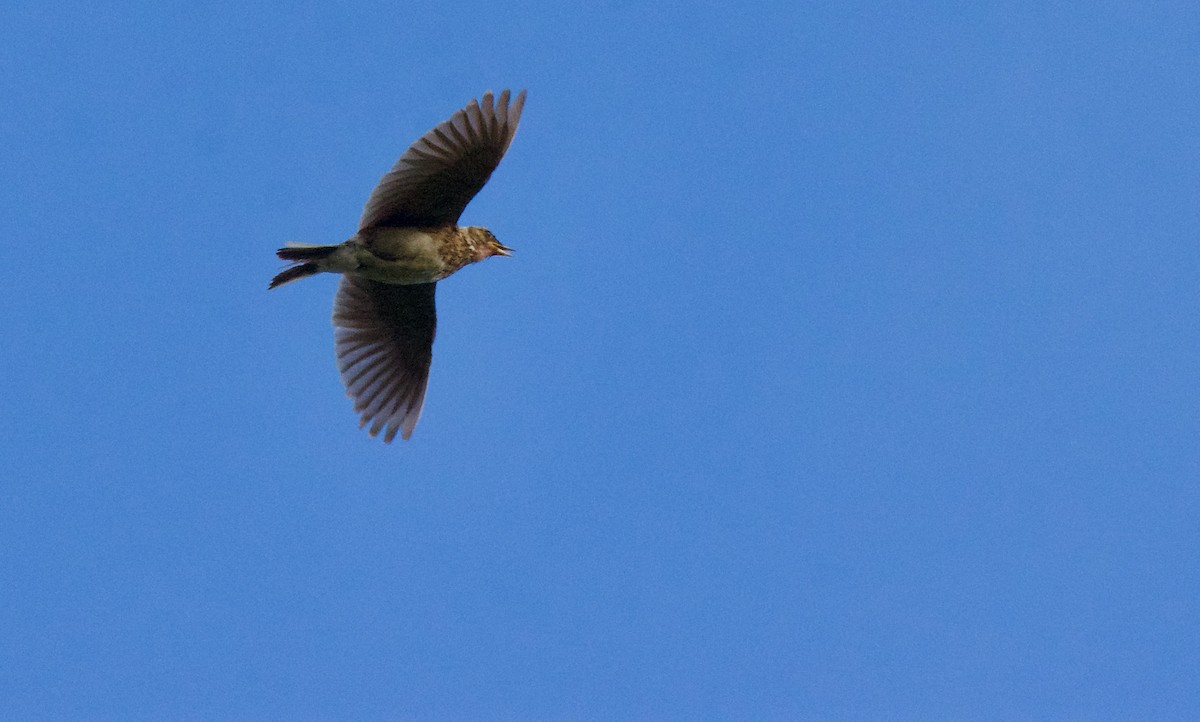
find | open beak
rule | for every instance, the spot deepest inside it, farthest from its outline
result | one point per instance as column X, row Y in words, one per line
column 502, row 250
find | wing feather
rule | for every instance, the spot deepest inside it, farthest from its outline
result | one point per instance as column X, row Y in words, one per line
column 383, row 336
column 438, row 176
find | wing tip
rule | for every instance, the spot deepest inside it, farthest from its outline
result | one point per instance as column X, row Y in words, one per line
column 505, row 102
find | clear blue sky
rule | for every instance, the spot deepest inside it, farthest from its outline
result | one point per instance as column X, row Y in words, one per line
column 847, row 366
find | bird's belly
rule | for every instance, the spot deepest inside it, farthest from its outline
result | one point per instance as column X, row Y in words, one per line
column 402, row 271
column 401, row 255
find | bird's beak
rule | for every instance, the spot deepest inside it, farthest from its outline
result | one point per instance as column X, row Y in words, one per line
column 502, row 250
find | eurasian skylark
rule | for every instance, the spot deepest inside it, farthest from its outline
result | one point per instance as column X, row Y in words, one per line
column 408, row 240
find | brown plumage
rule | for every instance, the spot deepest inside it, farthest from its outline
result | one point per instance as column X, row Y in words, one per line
column 408, row 240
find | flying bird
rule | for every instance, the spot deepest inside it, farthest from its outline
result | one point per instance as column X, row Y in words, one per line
column 408, row 239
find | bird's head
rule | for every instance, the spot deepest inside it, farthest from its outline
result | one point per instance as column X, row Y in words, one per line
column 487, row 246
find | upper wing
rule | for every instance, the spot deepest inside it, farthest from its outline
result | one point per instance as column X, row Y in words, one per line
column 383, row 334
column 438, row 176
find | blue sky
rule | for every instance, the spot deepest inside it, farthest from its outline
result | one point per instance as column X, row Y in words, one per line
column 846, row 367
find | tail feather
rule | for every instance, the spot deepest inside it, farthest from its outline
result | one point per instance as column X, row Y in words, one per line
column 305, row 253
column 291, row 274
column 305, row 259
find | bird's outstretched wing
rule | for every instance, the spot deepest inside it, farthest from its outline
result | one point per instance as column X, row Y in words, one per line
column 438, row 176
column 383, row 334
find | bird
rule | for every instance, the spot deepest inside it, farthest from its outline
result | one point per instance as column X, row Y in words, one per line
column 408, row 239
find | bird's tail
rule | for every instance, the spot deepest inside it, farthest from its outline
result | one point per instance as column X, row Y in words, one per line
column 303, row 259
column 305, row 252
